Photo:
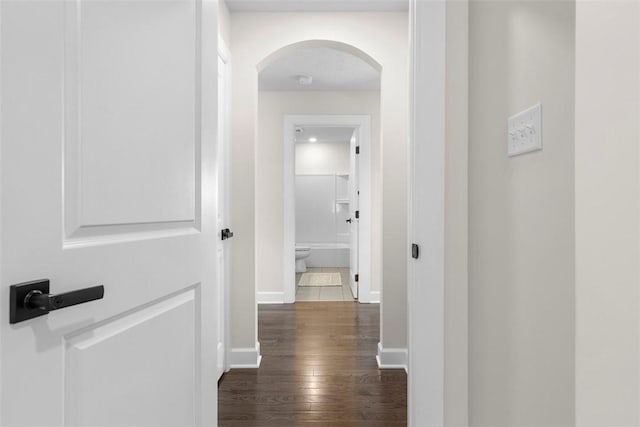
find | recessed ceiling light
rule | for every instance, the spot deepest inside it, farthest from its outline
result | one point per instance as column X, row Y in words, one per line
column 313, row 139
column 304, row 80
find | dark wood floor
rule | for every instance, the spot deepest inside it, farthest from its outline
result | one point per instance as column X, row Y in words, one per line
column 318, row 369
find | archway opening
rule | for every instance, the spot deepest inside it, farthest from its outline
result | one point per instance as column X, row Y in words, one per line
column 330, row 89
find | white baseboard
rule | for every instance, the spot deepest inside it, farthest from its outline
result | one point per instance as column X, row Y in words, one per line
column 270, row 297
column 245, row 357
column 374, row 297
column 391, row 358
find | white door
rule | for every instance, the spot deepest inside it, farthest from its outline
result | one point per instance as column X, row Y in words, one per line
column 108, row 132
column 223, row 179
column 354, row 206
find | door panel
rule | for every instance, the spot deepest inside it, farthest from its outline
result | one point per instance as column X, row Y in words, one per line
column 125, row 91
column 94, row 361
column 108, row 177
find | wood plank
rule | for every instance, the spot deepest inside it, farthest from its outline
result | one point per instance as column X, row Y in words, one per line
column 318, row 369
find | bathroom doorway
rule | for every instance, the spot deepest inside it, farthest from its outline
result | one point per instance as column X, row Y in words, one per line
column 325, row 213
column 327, row 207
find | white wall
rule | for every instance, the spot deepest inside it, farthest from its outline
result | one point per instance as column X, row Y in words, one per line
column 319, row 219
column 321, row 158
column 383, row 36
column 607, row 170
column 521, row 216
column 272, row 108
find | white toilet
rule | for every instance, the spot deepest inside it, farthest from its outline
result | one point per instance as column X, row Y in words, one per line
column 302, row 252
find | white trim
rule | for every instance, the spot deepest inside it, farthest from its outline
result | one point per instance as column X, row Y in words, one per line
column 316, row 5
column 2, row 231
column 245, row 358
column 324, row 245
column 374, row 297
column 225, row 56
column 363, row 127
column 425, row 292
column 270, row 297
column 391, row 358
column 223, row 50
column 289, row 214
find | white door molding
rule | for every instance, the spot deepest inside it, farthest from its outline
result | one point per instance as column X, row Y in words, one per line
column 354, row 225
column 426, row 297
column 362, row 123
column 223, row 162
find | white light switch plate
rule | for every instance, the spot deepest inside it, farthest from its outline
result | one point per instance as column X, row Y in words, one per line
column 525, row 131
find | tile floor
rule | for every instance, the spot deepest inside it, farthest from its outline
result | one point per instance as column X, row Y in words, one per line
column 325, row 293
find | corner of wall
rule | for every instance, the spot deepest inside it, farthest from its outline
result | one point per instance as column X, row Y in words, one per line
column 391, row 358
column 245, row 358
column 270, row 297
column 607, row 211
column 374, row 297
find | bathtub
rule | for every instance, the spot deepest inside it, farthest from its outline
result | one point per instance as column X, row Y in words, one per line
column 327, row 254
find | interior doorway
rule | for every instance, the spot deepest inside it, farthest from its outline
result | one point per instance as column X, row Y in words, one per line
column 320, row 87
column 257, row 47
column 337, row 204
column 326, row 217
column 258, row 161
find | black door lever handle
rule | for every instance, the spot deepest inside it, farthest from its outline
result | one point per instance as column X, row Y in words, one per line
column 348, row 220
column 32, row 299
column 47, row 302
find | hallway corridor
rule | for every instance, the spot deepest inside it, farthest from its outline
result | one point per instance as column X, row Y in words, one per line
column 318, row 369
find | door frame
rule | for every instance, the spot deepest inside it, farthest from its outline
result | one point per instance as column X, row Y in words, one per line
column 426, row 298
column 224, row 133
column 354, row 221
column 362, row 124
column 1, row 207
column 426, row 398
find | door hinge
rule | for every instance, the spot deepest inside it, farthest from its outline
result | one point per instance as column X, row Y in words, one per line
column 357, row 149
column 226, row 234
column 357, row 214
column 357, row 278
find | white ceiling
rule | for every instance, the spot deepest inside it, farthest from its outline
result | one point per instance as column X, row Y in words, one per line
column 324, row 134
column 331, row 69
column 316, row 5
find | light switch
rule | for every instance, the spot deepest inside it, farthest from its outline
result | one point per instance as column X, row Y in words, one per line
column 525, row 131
